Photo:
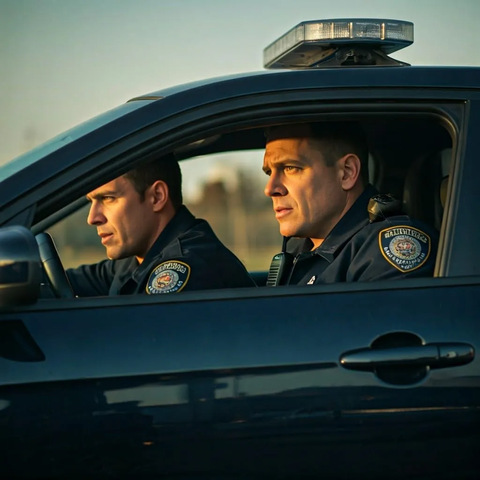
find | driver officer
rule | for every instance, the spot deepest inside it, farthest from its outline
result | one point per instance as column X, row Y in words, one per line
column 153, row 243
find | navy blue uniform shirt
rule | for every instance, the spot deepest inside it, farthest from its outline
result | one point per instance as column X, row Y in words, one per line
column 357, row 250
column 186, row 256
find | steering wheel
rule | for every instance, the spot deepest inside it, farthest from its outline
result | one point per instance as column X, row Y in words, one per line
column 53, row 266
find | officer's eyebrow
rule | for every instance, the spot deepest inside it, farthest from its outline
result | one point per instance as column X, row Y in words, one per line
column 101, row 194
column 279, row 162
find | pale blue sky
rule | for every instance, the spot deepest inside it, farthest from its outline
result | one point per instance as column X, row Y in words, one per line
column 64, row 61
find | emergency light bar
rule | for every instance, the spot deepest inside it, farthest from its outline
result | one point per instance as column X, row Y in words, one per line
column 310, row 43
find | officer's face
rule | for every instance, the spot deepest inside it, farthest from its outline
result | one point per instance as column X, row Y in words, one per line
column 308, row 196
column 125, row 223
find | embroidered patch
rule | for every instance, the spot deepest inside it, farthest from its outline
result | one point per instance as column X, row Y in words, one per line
column 406, row 248
column 168, row 277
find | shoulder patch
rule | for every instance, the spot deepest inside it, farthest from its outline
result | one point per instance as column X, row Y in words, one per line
column 404, row 247
column 168, row 277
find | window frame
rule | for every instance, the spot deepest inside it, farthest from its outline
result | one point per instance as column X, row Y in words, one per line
column 264, row 110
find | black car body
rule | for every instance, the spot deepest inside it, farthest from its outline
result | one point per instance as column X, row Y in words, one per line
column 367, row 380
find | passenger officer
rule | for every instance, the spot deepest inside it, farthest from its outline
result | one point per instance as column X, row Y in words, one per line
column 320, row 192
column 153, row 243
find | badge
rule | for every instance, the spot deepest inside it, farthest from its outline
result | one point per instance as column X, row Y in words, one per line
column 406, row 248
column 168, row 277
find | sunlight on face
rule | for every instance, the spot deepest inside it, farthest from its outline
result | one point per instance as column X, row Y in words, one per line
column 125, row 223
column 307, row 194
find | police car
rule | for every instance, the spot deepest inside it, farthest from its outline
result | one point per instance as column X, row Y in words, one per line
column 362, row 380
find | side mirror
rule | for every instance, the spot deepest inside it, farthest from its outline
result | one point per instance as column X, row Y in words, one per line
column 20, row 267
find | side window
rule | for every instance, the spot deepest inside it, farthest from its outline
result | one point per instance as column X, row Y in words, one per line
column 225, row 189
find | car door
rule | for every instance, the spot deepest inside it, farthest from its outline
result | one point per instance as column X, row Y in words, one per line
column 284, row 381
column 287, row 380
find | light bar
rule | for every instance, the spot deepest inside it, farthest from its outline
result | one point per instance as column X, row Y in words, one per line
column 310, row 42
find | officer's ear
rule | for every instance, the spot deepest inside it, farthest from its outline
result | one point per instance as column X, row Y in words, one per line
column 157, row 195
column 349, row 170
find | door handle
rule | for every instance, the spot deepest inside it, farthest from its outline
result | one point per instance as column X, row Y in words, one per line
column 433, row 355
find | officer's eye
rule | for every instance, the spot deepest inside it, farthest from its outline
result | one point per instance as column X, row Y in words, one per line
column 292, row 169
column 108, row 198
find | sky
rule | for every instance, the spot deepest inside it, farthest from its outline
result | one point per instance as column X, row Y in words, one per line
column 65, row 61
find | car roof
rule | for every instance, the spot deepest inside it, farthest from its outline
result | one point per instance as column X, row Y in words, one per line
column 374, row 76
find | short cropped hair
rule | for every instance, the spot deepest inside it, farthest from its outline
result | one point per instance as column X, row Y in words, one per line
column 166, row 169
column 338, row 139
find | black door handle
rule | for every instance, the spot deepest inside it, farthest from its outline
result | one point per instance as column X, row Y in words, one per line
column 433, row 355
column 17, row 344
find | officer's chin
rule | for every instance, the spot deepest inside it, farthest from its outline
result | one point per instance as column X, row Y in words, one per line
column 289, row 232
column 118, row 255
column 113, row 255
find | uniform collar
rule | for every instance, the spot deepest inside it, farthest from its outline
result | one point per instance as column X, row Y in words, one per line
column 353, row 221
column 180, row 222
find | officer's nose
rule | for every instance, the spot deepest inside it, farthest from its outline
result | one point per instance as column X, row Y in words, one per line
column 95, row 215
column 274, row 186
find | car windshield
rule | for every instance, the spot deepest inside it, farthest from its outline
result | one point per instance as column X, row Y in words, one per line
column 30, row 157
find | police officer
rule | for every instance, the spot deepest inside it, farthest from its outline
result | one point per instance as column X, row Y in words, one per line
column 154, row 244
column 320, row 192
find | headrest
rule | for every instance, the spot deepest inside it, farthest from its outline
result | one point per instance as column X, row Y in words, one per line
column 446, row 160
column 443, row 191
column 426, row 185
